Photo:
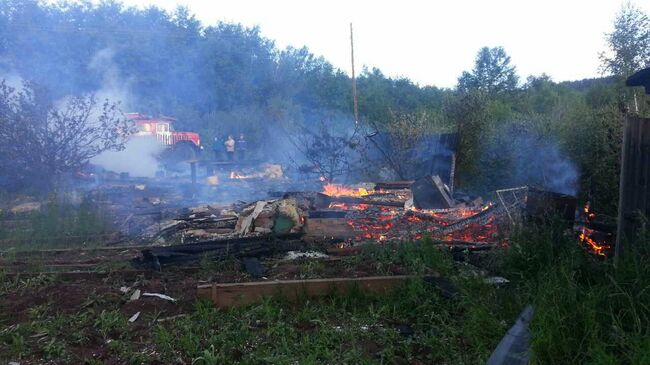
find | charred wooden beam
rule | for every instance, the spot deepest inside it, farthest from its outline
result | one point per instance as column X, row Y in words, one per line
column 156, row 257
column 393, row 185
column 480, row 218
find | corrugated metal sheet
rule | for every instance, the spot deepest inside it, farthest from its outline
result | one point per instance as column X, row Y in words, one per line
column 634, row 202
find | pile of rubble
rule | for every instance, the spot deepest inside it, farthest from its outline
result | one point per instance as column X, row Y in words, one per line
column 206, row 223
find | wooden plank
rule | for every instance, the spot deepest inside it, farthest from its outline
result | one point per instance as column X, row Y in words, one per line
column 329, row 228
column 241, row 294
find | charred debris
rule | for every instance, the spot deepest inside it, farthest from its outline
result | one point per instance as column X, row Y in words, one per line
column 181, row 227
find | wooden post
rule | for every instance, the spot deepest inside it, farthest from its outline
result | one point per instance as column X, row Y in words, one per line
column 634, row 185
column 354, row 80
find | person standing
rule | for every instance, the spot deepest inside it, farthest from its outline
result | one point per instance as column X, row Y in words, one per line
column 241, row 147
column 230, row 148
column 216, row 148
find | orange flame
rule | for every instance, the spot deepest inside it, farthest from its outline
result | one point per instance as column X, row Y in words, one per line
column 596, row 247
column 340, row 190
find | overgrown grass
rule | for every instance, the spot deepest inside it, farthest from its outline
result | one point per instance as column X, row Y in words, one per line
column 412, row 324
column 587, row 310
column 61, row 222
column 415, row 323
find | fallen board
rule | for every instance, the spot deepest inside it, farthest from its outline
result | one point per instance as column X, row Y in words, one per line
column 318, row 228
column 240, row 294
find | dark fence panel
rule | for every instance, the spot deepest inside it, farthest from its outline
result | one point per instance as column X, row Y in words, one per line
column 634, row 200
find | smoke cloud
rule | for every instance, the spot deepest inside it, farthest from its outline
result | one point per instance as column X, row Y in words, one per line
column 113, row 87
column 138, row 158
column 524, row 158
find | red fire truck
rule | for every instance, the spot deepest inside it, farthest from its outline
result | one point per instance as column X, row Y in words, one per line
column 181, row 145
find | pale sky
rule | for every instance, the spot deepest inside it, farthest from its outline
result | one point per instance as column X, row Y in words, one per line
column 430, row 42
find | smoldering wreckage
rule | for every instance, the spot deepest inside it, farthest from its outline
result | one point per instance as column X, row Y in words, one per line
column 178, row 227
column 175, row 225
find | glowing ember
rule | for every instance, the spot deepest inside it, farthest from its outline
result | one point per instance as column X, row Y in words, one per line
column 588, row 236
column 598, row 248
column 340, row 190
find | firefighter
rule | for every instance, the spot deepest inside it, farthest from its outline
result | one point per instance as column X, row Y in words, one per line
column 230, row 148
column 241, row 147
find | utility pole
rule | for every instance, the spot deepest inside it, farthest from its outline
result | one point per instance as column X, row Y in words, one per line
column 354, row 80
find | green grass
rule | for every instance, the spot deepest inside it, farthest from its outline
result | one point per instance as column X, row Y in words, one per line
column 587, row 310
column 351, row 329
column 60, row 223
column 355, row 329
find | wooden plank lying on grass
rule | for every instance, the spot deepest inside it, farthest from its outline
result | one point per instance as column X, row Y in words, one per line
column 240, row 294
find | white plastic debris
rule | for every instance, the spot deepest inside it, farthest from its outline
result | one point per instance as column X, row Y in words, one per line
column 293, row 255
column 135, row 295
column 496, row 280
column 161, row 296
column 134, row 317
column 124, row 289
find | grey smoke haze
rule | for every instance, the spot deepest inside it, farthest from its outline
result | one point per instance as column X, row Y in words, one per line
column 138, row 158
column 524, row 158
column 12, row 80
column 113, row 86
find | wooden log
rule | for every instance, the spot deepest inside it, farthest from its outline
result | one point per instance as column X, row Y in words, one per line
column 241, row 294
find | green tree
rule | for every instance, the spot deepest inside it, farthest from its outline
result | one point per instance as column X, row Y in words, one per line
column 629, row 43
column 492, row 72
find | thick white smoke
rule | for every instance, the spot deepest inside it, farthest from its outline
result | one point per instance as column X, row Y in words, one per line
column 138, row 158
